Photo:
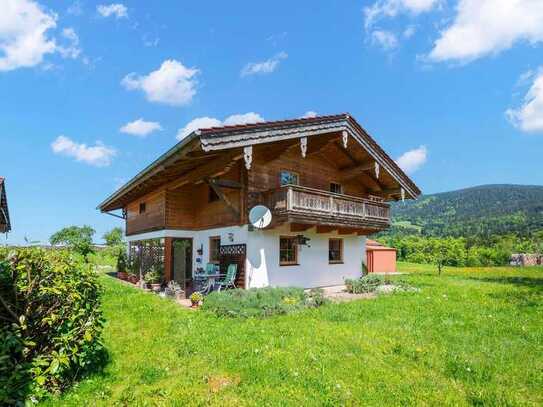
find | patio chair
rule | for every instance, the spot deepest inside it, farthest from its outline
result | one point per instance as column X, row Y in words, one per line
column 230, row 278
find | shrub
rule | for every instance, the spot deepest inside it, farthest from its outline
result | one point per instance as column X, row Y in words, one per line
column 121, row 262
column 261, row 302
column 51, row 323
column 365, row 284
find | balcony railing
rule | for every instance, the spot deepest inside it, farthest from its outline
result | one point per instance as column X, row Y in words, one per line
column 300, row 202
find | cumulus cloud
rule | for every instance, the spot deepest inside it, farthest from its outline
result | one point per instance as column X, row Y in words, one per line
column 171, row 84
column 412, row 160
column 207, row 122
column 264, row 67
column 529, row 116
column 308, row 114
column 140, row 128
column 391, row 8
column 75, row 9
column 385, row 39
column 117, row 10
column 485, row 27
column 98, row 155
column 72, row 50
column 24, row 34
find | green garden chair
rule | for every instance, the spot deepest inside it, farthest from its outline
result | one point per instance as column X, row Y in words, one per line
column 230, row 278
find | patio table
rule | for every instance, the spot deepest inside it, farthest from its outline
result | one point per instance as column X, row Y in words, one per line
column 211, row 280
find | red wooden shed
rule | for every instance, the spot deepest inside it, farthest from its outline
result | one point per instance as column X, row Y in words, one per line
column 380, row 258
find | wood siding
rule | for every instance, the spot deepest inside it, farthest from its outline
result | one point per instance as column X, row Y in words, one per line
column 188, row 207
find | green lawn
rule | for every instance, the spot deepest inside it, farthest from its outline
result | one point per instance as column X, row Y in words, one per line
column 469, row 337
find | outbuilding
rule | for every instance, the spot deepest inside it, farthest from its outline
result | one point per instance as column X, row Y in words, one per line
column 380, row 258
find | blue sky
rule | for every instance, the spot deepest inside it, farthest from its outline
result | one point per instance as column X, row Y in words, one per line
column 94, row 91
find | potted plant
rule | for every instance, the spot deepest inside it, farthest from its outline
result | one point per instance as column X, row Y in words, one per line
column 153, row 279
column 196, row 298
column 121, row 266
column 174, row 290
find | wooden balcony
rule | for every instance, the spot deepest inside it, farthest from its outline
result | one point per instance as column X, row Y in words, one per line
column 297, row 204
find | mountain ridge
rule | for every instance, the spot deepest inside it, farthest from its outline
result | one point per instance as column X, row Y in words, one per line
column 479, row 211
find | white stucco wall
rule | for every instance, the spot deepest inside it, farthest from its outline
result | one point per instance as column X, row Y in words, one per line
column 262, row 264
column 263, row 269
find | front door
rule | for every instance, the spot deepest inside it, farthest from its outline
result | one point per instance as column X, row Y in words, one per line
column 182, row 261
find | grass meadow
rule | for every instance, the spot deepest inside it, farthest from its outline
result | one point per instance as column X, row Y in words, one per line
column 468, row 337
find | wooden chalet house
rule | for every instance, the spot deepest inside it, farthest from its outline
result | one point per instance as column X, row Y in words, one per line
column 323, row 178
column 5, row 225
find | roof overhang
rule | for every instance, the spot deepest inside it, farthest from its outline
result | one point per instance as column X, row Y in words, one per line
column 239, row 136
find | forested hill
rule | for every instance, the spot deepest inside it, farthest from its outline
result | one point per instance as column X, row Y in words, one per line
column 479, row 211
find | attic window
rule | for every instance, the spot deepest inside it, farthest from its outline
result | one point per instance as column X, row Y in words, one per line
column 336, row 188
column 142, row 207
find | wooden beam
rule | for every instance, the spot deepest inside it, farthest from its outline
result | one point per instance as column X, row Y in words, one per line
column 345, row 152
column 325, row 229
column 267, row 153
column 316, row 144
column 371, row 182
column 346, row 231
column 223, row 197
column 356, row 171
column 225, row 183
column 215, row 168
column 392, row 191
column 299, row 227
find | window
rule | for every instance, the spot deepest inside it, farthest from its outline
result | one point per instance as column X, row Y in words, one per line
column 335, row 251
column 288, row 177
column 212, row 195
column 288, row 251
column 214, row 249
column 336, row 188
column 142, row 207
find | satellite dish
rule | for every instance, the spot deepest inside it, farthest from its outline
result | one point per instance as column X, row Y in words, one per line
column 260, row 216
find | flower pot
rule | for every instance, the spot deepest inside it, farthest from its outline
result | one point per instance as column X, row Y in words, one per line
column 155, row 287
column 195, row 304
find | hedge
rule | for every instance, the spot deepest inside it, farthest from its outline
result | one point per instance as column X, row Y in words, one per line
column 50, row 323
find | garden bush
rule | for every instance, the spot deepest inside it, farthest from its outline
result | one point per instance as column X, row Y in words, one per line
column 50, row 323
column 262, row 302
column 365, row 284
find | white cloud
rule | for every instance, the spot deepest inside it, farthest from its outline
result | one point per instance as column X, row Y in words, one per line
column 385, row 39
column 75, row 9
column 412, row 160
column 246, row 118
column 264, row 67
column 207, row 122
column 98, row 155
column 409, row 31
column 171, row 84
column 529, row 116
column 140, row 128
column 484, row 27
column 72, row 50
column 391, row 8
column 308, row 114
column 24, row 39
column 117, row 10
